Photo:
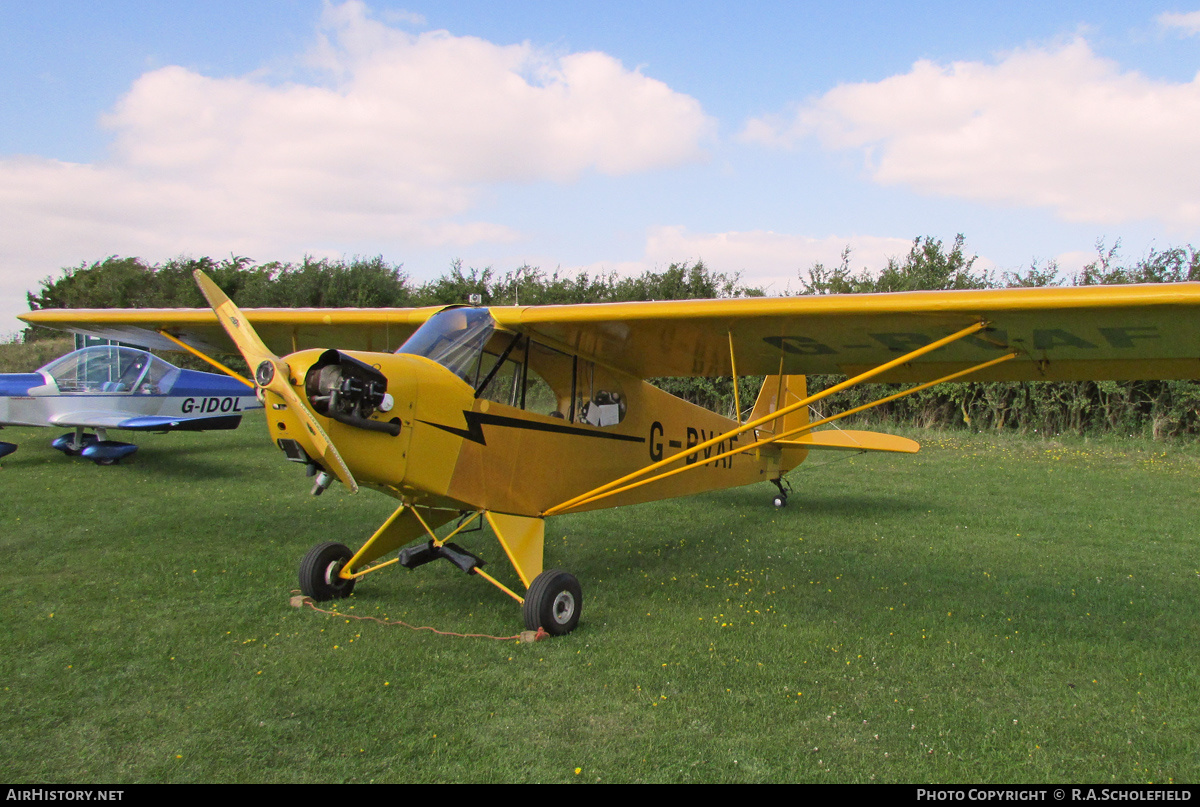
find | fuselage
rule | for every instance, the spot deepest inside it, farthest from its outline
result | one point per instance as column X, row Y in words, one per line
column 489, row 420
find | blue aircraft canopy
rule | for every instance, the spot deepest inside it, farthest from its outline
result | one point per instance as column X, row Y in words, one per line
column 109, row 368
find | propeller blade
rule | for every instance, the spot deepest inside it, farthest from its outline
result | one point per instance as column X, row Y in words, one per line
column 320, row 440
column 231, row 319
column 271, row 373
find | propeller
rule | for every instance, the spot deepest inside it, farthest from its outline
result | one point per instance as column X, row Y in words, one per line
column 272, row 373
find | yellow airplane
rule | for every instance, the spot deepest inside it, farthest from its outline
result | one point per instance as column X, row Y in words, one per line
column 512, row 415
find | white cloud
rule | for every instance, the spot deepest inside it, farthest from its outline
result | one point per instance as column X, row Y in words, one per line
column 402, row 17
column 765, row 259
column 394, row 147
column 1057, row 127
column 1187, row 22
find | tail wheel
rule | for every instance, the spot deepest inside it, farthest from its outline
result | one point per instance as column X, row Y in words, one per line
column 780, row 499
column 319, row 572
column 553, row 602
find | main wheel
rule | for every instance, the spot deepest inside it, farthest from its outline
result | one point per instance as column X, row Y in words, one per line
column 553, row 602
column 780, row 500
column 319, row 572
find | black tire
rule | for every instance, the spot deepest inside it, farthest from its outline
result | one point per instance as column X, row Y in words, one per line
column 319, row 572
column 779, row 500
column 553, row 602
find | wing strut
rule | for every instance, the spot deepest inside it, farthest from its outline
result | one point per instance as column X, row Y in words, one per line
column 737, row 403
column 615, row 486
column 782, row 437
column 211, row 361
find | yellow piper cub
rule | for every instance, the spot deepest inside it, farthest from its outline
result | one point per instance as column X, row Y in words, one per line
column 469, row 419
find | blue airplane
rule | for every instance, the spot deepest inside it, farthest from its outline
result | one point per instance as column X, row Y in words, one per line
column 116, row 387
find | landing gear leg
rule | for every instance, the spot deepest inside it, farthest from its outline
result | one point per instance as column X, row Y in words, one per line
column 780, row 499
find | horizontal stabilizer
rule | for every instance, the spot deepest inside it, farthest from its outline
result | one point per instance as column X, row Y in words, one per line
column 848, row 440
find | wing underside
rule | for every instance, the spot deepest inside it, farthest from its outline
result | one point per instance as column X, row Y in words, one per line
column 1098, row 332
column 91, row 419
column 283, row 330
column 1093, row 332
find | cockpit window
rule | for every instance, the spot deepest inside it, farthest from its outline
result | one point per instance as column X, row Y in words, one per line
column 108, row 368
column 510, row 369
column 550, row 383
column 600, row 400
column 500, row 369
column 453, row 338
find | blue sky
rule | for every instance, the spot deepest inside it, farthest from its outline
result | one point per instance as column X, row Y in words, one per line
column 758, row 137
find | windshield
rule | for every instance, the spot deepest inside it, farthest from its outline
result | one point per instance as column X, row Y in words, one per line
column 108, row 368
column 453, row 338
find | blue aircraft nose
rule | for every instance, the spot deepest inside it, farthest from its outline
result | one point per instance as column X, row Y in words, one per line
column 6, row 449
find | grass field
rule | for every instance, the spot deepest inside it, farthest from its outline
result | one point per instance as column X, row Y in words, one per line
column 994, row 609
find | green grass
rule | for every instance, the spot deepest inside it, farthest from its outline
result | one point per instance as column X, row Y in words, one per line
column 994, row 609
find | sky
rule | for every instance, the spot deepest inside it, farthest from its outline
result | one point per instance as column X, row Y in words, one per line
column 602, row 137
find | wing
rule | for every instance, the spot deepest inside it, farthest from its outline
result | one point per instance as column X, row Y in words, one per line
column 1089, row 332
column 112, row 419
column 284, row 330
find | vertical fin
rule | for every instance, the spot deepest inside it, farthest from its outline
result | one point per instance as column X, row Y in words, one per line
column 777, row 392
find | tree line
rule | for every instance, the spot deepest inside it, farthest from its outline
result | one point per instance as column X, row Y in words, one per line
column 360, row 283
column 1152, row 408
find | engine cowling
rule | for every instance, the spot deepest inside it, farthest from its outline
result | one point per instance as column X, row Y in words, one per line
column 349, row 391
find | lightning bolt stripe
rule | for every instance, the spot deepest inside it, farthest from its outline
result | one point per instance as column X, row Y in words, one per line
column 477, row 420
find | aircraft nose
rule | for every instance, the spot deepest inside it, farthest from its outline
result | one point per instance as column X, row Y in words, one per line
column 362, row 403
column 350, row 391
